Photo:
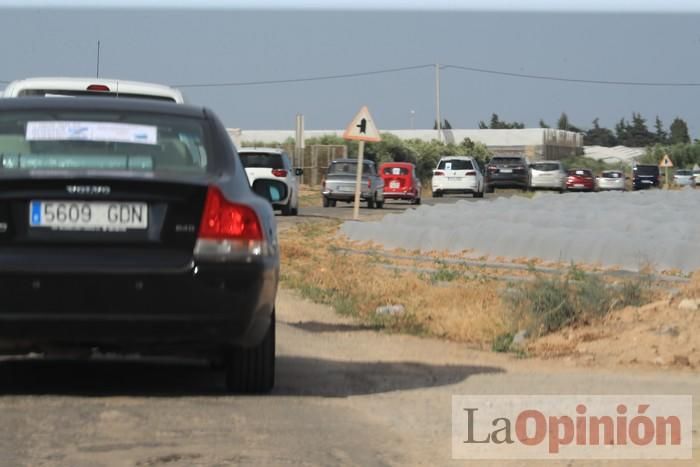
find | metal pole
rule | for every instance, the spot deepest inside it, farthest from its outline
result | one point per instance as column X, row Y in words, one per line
column 98, row 59
column 358, row 180
column 437, row 101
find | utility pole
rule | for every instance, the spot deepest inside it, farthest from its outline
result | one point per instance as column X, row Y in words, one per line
column 98, row 59
column 437, row 101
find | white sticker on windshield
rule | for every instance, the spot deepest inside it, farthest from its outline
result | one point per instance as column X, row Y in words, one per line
column 448, row 165
column 396, row 171
column 92, row 131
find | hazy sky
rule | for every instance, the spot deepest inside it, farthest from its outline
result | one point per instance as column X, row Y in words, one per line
column 228, row 45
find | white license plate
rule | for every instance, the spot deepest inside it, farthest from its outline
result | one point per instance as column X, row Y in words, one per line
column 394, row 185
column 506, row 171
column 454, row 179
column 646, row 181
column 348, row 188
column 578, row 185
column 88, row 215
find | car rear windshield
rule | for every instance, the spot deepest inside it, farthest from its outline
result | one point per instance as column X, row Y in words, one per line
column 581, row 172
column 647, row 170
column 455, row 164
column 684, row 172
column 75, row 93
column 506, row 161
column 261, row 160
column 611, row 175
column 93, row 140
column 395, row 171
column 348, row 168
column 545, row 166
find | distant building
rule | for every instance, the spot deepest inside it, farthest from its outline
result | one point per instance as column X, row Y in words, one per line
column 535, row 143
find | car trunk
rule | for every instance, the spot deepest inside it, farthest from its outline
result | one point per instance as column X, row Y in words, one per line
column 396, row 180
column 99, row 224
column 455, row 170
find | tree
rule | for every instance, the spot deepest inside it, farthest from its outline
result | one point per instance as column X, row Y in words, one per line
column 637, row 133
column 445, row 125
column 679, row 132
column 661, row 135
column 621, row 132
column 563, row 122
column 497, row 124
column 543, row 124
column 599, row 136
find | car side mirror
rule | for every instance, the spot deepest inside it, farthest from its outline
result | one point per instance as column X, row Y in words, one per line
column 271, row 190
column 298, row 172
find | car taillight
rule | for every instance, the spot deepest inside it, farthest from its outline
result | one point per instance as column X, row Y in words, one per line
column 369, row 183
column 492, row 168
column 439, row 173
column 228, row 231
column 470, row 172
column 279, row 173
column 98, row 87
column 323, row 183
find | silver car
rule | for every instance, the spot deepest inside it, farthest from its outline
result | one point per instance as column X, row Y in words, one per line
column 612, row 180
column 340, row 181
column 684, row 177
column 547, row 175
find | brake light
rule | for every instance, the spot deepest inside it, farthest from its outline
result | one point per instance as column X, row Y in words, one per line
column 279, row 173
column 492, row 168
column 323, row 183
column 369, row 183
column 470, row 172
column 439, row 173
column 223, row 220
column 98, row 87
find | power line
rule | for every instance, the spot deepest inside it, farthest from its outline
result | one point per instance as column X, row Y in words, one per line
column 300, row 80
column 571, row 80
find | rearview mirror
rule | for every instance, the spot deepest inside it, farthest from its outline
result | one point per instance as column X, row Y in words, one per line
column 271, row 190
column 298, row 172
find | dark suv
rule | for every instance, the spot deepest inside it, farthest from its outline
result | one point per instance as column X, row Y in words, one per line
column 507, row 172
column 645, row 176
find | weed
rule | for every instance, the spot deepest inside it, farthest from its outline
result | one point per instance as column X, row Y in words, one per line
column 502, row 342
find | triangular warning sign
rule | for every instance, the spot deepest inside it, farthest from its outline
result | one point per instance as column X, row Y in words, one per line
column 666, row 162
column 362, row 128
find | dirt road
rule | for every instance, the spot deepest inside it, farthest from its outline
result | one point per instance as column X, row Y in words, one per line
column 345, row 396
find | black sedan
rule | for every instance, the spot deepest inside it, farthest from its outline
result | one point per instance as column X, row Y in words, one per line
column 129, row 226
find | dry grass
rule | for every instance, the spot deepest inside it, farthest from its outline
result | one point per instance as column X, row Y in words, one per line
column 453, row 302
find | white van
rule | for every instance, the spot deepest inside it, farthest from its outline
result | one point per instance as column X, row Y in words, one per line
column 74, row 87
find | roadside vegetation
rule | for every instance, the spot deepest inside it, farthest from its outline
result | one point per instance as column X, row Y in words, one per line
column 437, row 295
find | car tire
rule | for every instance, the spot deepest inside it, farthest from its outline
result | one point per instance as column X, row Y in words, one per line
column 379, row 204
column 437, row 194
column 416, row 201
column 287, row 209
column 478, row 194
column 370, row 203
column 490, row 189
column 252, row 371
column 295, row 211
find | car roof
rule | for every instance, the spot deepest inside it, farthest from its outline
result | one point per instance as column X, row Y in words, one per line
column 106, row 104
column 397, row 164
column 64, row 83
column 466, row 158
column 353, row 161
column 261, row 150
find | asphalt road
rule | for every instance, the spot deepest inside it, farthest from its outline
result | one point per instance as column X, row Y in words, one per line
column 345, row 395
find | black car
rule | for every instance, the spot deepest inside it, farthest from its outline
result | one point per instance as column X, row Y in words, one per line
column 129, row 226
column 507, row 172
column 645, row 176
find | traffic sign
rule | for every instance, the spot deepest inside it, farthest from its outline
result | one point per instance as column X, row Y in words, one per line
column 666, row 161
column 362, row 128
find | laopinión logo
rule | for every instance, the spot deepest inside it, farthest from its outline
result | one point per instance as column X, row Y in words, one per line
column 572, row 427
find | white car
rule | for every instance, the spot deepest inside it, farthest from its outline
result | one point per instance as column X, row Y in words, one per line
column 612, row 180
column 273, row 164
column 684, row 177
column 458, row 174
column 548, row 175
column 77, row 87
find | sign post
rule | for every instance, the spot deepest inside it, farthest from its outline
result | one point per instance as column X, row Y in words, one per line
column 361, row 129
column 666, row 163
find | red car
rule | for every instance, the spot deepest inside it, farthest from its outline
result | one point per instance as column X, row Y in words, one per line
column 580, row 180
column 400, row 181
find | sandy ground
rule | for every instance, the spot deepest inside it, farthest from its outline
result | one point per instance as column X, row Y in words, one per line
column 345, row 395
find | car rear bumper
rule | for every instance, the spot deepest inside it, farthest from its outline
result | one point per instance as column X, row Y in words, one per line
column 400, row 195
column 466, row 185
column 546, row 183
column 200, row 310
column 611, row 186
column 509, row 181
column 345, row 196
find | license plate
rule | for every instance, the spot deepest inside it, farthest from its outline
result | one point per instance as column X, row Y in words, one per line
column 454, row 179
column 506, row 171
column 394, row 185
column 646, row 181
column 347, row 188
column 578, row 185
column 88, row 215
